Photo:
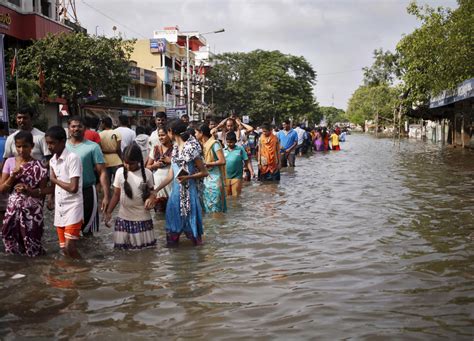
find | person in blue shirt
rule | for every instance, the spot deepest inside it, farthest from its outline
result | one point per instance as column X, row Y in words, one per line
column 3, row 137
column 288, row 139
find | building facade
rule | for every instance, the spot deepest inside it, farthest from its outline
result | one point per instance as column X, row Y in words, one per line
column 168, row 53
column 22, row 21
column 139, row 103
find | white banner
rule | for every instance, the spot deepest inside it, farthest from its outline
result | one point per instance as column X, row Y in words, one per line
column 170, row 35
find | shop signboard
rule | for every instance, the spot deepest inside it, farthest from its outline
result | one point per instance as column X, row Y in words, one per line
column 169, row 34
column 176, row 112
column 463, row 91
column 134, row 73
column 150, row 77
column 144, row 102
column 3, row 92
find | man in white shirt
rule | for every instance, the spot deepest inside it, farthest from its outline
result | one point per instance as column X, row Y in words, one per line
column 24, row 121
column 300, row 132
column 66, row 175
column 128, row 135
column 160, row 121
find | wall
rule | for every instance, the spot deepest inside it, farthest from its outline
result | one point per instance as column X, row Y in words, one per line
column 29, row 26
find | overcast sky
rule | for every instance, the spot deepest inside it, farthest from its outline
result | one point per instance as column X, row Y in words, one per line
column 336, row 36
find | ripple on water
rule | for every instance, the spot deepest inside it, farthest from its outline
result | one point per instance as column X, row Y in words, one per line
column 371, row 242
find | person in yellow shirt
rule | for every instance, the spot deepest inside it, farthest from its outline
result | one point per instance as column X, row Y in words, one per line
column 334, row 141
column 110, row 141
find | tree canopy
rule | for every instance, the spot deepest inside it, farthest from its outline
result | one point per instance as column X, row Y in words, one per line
column 384, row 70
column 332, row 115
column 71, row 65
column 439, row 54
column 368, row 101
column 264, row 85
column 434, row 57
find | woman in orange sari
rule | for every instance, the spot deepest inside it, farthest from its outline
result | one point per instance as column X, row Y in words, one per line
column 268, row 156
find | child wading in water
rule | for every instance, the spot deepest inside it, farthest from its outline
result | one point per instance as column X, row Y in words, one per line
column 235, row 156
column 66, row 176
column 133, row 184
column 25, row 179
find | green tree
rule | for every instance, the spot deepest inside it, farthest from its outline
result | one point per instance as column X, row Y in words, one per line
column 28, row 94
column 264, row 85
column 369, row 101
column 439, row 54
column 333, row 115
column 384, row 70
column 70, row 65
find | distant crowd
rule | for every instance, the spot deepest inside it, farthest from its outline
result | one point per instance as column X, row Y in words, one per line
column 182, row 169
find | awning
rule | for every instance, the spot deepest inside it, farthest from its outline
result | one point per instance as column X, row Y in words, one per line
column 464, row 91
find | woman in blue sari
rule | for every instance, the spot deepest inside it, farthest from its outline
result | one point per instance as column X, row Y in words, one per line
column 183, row 210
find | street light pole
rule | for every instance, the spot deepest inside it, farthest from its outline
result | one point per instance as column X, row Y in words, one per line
column 188, row 70
column 188, row 88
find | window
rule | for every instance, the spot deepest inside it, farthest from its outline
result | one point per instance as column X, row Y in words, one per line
column 45, row 7
column 131, row 91
column 15, row 2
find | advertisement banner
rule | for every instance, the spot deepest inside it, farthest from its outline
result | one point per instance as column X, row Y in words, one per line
column 3, row 88
column 170, row 35
column 176, row 112
column 158, row 45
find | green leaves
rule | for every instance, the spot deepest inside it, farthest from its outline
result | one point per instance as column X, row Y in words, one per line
column 367, row 101
column 74, row 64
column 434, row 57
column 333, row 115
column 438, row 55
column 384, row 70
column 264, row 84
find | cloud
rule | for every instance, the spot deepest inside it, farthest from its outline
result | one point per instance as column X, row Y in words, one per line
column 336, row 37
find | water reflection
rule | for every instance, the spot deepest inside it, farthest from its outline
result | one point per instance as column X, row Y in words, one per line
column 369, row 242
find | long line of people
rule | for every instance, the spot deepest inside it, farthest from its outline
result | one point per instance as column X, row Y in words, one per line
column 180, row 169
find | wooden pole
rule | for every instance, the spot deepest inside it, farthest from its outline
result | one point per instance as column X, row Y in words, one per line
column 16, row 80
column 376, row 124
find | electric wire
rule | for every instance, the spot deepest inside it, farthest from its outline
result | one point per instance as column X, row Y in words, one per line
column 112, row 19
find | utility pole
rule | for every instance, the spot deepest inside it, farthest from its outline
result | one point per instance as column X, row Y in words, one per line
column 188, row 71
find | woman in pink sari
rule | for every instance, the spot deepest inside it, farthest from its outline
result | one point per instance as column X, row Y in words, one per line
column 318, row 141
column 25, row 179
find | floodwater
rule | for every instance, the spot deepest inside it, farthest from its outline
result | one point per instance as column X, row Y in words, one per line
column 372, row 242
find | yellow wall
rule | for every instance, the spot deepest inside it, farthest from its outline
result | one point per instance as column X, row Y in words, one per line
column 152, row 61
column 146, row 60
column 142, row 56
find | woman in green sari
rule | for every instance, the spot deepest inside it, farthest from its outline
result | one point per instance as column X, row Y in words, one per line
column 213, row 193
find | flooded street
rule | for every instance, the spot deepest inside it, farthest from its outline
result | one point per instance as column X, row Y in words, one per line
column 371, row 242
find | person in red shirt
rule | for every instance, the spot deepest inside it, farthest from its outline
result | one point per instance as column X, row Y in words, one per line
column 89, row 134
